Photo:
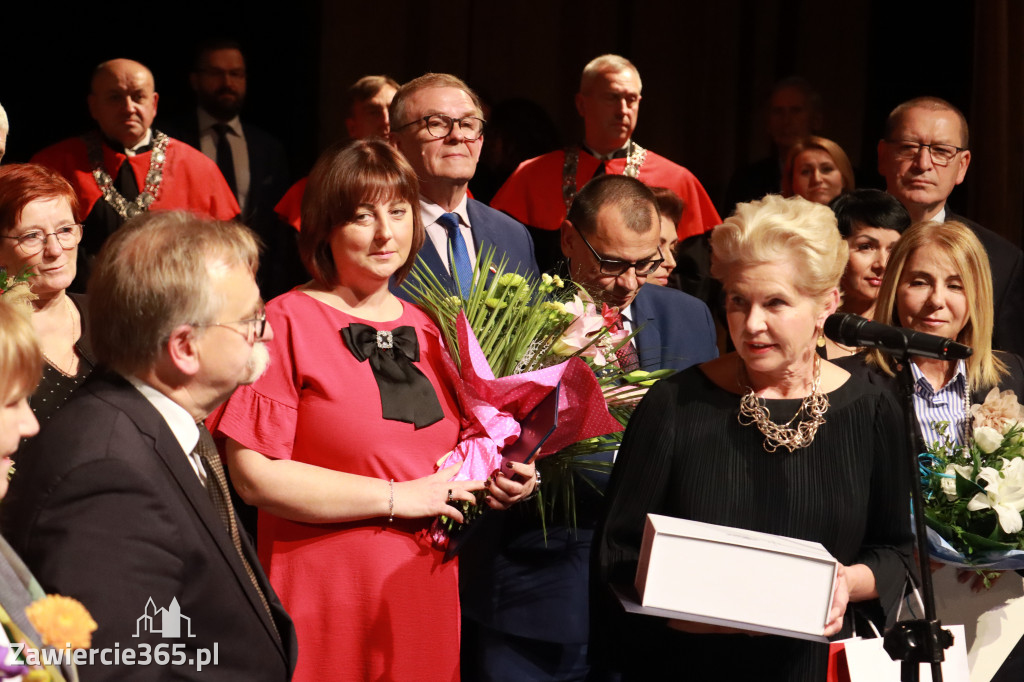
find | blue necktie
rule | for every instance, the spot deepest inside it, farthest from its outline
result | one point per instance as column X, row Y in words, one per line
column 458, row 260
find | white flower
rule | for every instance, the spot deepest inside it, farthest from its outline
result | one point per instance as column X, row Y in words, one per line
column 1004, row 494
column 988, row 439
column 949, row 484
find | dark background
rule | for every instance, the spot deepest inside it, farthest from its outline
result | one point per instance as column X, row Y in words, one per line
column 707, row 68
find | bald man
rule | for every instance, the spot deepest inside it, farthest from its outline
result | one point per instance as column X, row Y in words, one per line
column 125, row 167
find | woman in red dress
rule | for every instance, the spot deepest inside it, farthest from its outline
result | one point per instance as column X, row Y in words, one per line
column 337, row 444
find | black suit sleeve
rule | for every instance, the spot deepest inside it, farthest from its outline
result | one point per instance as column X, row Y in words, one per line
column 101, row 527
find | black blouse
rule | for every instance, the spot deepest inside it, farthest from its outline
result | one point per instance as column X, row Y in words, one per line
column 685, row 455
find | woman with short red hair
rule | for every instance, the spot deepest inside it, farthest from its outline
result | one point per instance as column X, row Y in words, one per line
column 39, row 234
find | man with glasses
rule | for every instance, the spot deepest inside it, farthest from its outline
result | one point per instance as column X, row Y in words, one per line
column 923, row 156
column 122, row 502
column 539, row 192
column 437, row 123
column 526, row 594
column 126, row 167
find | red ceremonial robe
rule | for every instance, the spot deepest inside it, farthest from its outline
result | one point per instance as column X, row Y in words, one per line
column 533, row 193
column 191, row 181
column 289, row 209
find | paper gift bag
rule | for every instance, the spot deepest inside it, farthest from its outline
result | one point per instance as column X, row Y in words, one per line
column 864, row 660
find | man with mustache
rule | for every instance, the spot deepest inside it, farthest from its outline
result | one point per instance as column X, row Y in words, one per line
column 126, row 167
column 122, row 503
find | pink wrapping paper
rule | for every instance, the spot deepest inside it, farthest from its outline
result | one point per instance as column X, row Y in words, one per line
column 492, row 408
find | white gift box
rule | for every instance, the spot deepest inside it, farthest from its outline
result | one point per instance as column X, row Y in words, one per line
column 738, row 578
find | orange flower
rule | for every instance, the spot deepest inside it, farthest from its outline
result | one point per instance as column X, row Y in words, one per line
column 61, row 621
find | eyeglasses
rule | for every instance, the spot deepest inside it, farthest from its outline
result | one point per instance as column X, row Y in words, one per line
column 439, row 125
column 255, row 326
column 941, row 154
column 31, row 243
column 615, row 268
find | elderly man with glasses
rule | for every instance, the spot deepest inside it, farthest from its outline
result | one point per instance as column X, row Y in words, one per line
column 526, row 600
column 437, row 123
column 923, row 157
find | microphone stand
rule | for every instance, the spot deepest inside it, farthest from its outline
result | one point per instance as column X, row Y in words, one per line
column 917, row 641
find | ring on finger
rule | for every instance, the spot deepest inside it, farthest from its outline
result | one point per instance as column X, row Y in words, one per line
column 449, row 494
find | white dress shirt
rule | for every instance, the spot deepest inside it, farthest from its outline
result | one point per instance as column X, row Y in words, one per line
column 180, row 422
column 438, row 235
column 239, row 150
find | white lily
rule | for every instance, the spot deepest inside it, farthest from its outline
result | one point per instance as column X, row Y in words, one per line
column 1004, row 494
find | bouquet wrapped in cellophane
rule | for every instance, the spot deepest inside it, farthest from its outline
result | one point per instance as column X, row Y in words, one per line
column 974, row 494
column 511, row 341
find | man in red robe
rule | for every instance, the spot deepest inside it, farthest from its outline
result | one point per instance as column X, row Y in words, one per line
column 539, row 192
column 126, row 167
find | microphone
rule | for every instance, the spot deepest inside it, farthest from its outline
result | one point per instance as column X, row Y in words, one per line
column 853, row 330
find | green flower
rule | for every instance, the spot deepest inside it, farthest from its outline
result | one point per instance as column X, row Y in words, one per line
column 511, row 280
column 495, row 304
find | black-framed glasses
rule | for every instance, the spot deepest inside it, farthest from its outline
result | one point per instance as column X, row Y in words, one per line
column 255, row 326
column 942, row 154
column 439, row 125
column 615, row 268
column 31, row 243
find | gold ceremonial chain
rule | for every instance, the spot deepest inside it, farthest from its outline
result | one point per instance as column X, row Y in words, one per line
column 811, row 415
column 154, row 176
column 635, row 157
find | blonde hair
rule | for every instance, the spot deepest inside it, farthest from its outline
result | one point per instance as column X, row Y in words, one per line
column 826, row 145
column 776, row 228
column 21, row 360
column 153, row 275
column 607, row 63
column 969, row 258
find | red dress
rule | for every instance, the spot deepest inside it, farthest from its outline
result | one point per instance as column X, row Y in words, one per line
column 371, row 600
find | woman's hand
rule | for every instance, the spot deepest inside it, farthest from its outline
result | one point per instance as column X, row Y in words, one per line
column 430, row 495
column 513, row 483
column 839, row 601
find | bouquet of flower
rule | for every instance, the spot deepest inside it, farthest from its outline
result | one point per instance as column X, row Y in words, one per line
column 974, row 494
column 511, row 341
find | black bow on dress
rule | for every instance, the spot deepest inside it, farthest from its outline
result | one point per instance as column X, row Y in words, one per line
column 406, row 395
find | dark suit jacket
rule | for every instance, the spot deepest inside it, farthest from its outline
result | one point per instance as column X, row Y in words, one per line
column 1007, row 263
column 491, row 229
column 675, row 330
column 280, row 267
column 511, row 579
column 107, row 509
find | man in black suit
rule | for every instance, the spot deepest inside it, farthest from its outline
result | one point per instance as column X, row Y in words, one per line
column 253, row 162
column 122, row 503
column 525, row 590
column 923, row 156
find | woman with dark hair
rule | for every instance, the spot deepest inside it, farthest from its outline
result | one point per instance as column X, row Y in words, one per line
column 670, row 210
column 337, row 444
column 39, row 231
column 871, row 222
